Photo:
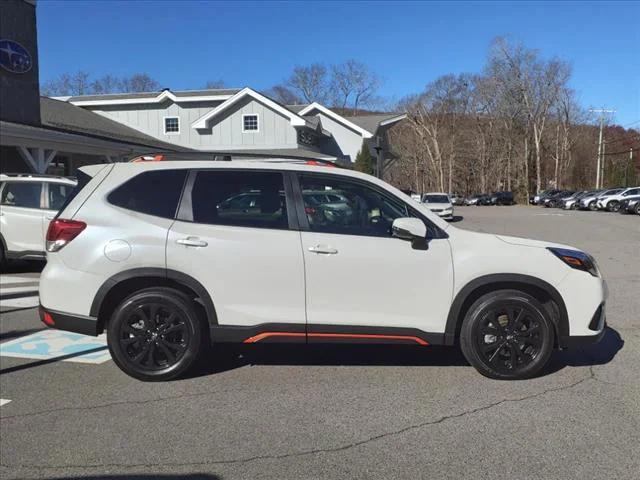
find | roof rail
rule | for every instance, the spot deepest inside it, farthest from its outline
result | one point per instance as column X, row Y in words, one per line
column 31, row 175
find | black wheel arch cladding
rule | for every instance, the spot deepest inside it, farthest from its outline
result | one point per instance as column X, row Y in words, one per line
column 513, row 281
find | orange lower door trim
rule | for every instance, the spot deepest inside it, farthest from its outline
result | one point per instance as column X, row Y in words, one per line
column 262, row 336
column 371, row 336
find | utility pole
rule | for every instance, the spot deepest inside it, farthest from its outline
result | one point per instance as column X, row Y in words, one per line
column 599, row 165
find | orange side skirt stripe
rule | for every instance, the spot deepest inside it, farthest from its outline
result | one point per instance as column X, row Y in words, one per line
column 372, row 336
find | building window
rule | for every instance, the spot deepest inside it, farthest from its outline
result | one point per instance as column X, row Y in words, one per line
column 171, row 125
column 250, row 123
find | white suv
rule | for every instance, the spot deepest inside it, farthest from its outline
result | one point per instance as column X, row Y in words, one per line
column 157, row 255
column 440, row 204
column 27, row 204
column 612, row 202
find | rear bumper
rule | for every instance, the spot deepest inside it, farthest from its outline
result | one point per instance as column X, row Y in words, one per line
column 69, row 322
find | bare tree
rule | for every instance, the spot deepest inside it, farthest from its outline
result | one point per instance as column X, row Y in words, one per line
column 284, row 95
column 140, row 82
column 311, row 82
column 80, row 83
column 354, row 83
column 539, row 82
column 68, row 84
column 215, row 84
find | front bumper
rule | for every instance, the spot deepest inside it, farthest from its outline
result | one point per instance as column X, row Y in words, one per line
column 69, row 322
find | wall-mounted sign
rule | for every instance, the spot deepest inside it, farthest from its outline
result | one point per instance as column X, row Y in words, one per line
column 14, row 57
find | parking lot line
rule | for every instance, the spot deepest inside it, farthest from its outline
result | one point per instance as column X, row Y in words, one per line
column 3, row 402
column 21, row 302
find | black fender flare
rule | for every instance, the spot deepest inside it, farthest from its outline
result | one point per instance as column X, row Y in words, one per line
column 169, row 274
column 506, row 280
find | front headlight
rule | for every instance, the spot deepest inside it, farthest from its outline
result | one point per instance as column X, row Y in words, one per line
column 577, row 259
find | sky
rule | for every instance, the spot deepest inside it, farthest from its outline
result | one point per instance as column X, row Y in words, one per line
column 184, row 44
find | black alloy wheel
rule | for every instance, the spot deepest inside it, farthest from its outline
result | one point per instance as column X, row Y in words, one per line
column 613, row 206
column 155, row 334
column 507, row 335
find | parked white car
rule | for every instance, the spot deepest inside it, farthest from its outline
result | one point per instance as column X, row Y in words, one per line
column 612, row 202
column 27, row 204
column 439, row 203
column 590, row 202
column 144, row 252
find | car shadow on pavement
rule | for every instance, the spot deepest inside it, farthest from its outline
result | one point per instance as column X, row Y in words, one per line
column 225, row 358
column 189, row 476
column 456, row 218
column 17, row 333
column 600, row 353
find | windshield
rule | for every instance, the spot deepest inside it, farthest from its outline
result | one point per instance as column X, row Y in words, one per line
column 435, row 199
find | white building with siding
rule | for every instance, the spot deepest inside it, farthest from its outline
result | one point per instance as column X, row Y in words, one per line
column 241, row 123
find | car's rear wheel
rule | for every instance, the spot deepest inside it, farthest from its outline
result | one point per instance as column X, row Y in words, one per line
column 613, row 206
column 507, row 335
column 155, row 334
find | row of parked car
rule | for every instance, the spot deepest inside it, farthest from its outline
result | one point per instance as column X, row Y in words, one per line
column 495, row 198
column 620, row 199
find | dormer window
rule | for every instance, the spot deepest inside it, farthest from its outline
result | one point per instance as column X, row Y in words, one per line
column 250, row 122
column 171, row 125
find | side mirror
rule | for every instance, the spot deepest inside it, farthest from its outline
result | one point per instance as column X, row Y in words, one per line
column 408, row 228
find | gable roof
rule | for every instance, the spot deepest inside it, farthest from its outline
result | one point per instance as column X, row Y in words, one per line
column 67, row 117
column 295, row 119
column 338, row 118
column 151, row 97
column 371, row 123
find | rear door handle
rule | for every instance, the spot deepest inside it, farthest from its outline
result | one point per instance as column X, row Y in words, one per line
column 192, row 242
column 323, row 249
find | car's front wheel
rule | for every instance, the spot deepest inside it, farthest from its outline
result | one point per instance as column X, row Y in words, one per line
column 637, row 209
column 593, row 206
column 613, row 206
column 155, row 334
column 507, row 335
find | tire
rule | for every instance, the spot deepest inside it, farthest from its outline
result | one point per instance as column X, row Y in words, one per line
column 637, row 209
column 575, row 206
column 593, row 206
column 613, row 206
column 505, row 324
column 155, row 334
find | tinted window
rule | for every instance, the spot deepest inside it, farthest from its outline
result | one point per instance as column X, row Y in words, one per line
column 22, row 194
column 633, row 191
column 336, row 205
column 435, row 199
column 58, row 193
column 245, row 199
column 154, row 193
column 82, row 179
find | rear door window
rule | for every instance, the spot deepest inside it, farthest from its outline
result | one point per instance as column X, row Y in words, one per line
column 154, row 193
column 58, row 193
column 22, row 194
column 240, row 198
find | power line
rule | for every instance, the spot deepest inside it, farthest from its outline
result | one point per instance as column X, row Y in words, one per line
column 637, row 149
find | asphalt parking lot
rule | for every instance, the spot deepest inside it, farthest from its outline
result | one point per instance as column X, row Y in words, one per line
column 344, row 412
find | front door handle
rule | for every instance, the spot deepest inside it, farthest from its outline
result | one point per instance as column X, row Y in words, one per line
column 323, row 249
column 192, row 242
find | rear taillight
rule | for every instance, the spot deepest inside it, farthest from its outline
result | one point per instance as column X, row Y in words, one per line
column 61, row 232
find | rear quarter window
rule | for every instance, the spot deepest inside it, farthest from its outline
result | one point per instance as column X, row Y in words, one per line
column 153, row 193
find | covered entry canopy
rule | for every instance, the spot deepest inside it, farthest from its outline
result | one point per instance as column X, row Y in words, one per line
column 77, row 136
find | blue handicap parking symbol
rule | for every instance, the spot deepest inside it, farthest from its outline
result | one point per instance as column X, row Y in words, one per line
column 49, row 344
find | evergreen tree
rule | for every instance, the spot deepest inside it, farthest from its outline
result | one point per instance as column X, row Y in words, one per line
column 364, row 161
